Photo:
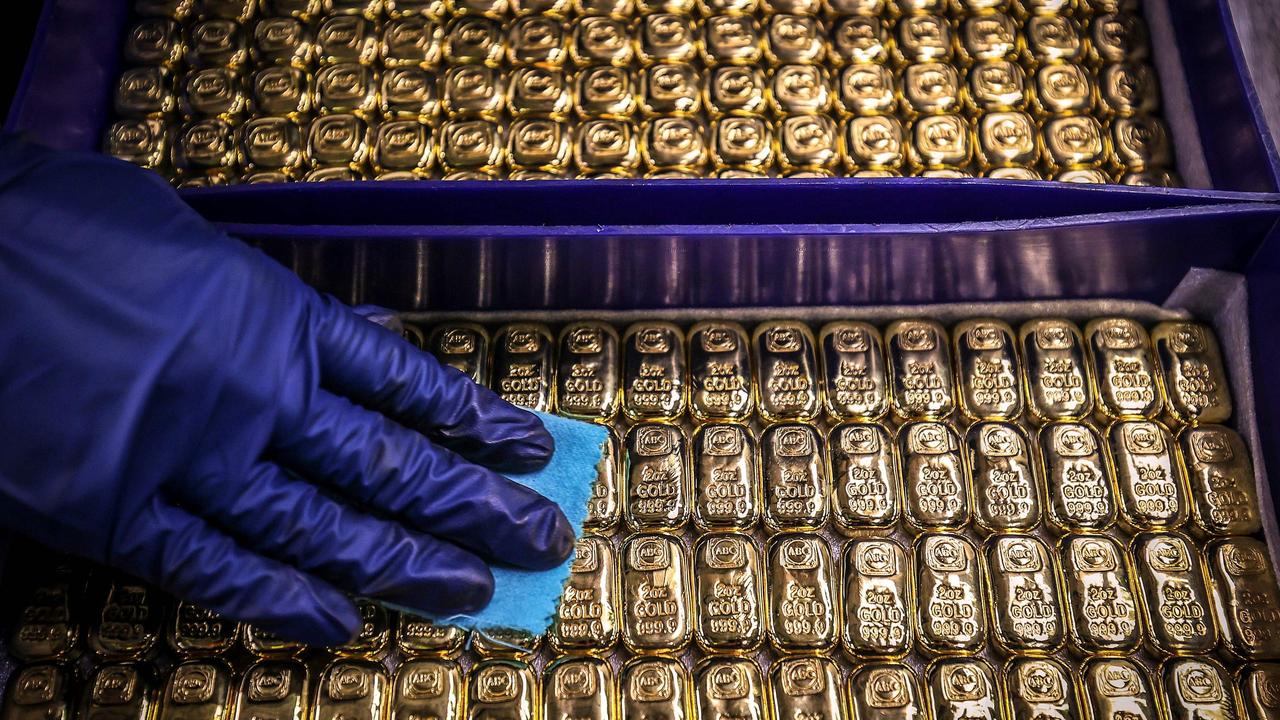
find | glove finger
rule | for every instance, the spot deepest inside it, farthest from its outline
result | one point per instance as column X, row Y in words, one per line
column 376, row 368
column 397, row 472
column 183, row 555
column 291, row 520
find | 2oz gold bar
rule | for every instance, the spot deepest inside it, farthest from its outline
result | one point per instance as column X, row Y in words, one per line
column 796, row 489
column 1026, row 602
column 1175, row 602
column 964, row 688
column 503, row 642
column 417, row 637
column 604, row 509
column 1078, row 478
column 786, row 371
column 197, row 690
column 264, row 643
column 587, row 373
column 729, row 590
column 1006, row 491
column 988, row 368
column 39, row 692
column 879, row 599
column 653, row 371
column 351, row 690
column 374, row 636
column 949, row 582
column 806, row 687
column 274, row 690
column 1102, row 606
column 129, row 623
column 719, row 372
column 1126, row 380
column 1115, row 688
column 803, row 595
column 523, row 369
column 1197, row 689
column 655, row 688
column 119, row 691
column 587, row 618
column 920, row 375
column 48, row 625
column 1246, row 600
column 657, row 475
column 1151, row 480
column 1259, row 687
column 427, row 690
column 884, row 691
column 864, row 471
column 346, row 38
column 1223, row 490
column 195, row 631
column 580, row 688
column 854, row 367
column 726, row 475
column 1040, row 689
column 935, row 477
column 730, row 688
column 502, row 690
column 656, row 612
column 1195, row 379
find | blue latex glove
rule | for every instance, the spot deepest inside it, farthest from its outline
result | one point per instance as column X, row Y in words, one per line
column 176, row 404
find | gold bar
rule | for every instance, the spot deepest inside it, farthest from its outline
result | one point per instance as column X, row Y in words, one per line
column 733, row 88
column 523, row 367
column 742, row 144
column 284, row 91
column 922, row 38
column 471, row 148
column 1102, row 605
column 919, row 370
column 666, row 37
column 864, row 472
column 1128, row 89
column 282, row 41
column 195, row 631
column 427, row 689
column 879, row 599
column 39, row 692
column 216, row 42
column 1246, row 599
column 949, row 582
column 806, row 687
column 719, row 372
column 989, row 36
column 1223, row 490
column 587, row 618
column 1040, row 689
column 604, row 91
column 268, row 644
column 604, row 509
column 1005, row 489
column 786, row 371
column 653, row 371
column 351, row 690
column 865, row 90
column 884, row 691
column 346, row 38
column 155, row 41
column 1259, row 686
column 145, row 92
column 1151, row 480
column 48, row 625
column 1026, row 603
column 1063, row 89
column 144, row 143
column 587, row 371
column 472, row 91
column 197, row 690
column 963, row 688
column 1126, row 380
column 270, row 144
column 274, row 690
column 538, row 145
column 988, row 369
column 410, row 93
column 537, row 40
column 996, row 85
column 119, row 691
column 729, row 591
column 374, row 637
column 655, row 688
column 1078, row 478
column 203, row 145
column 129, row 622
column 935, row 477
column 1195, row 380
column 1197, row 689
column 730, row 688
column 1054, row 39
column 1119, row 36
column 808, row 143
column 502, row 690
column 655, row 595
column 1175, row 603
column 796, row 489
column 416, row 637
column 505, row 643
column 803, row 595
column 657, row 474
column 403, row 145
column 579, row 688
column 930, row 88
column 726, row 473
column 411, row 42
column 1117, row 687
column 854, row 367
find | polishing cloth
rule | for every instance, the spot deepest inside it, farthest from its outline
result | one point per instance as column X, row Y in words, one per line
column 526, row 599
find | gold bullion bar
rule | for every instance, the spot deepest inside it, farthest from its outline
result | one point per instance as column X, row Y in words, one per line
column 1006, row 492
column 1197, row 689
column 859, row 39
column 1118, row 36
column 935, row 478
column 1063, row 89
column 1149, row 476
column 523, row 367
column 963, row 688
column 854, row 369
column 803, row 594
column 604, row 509
column 1223, row 492
column 581, row 688
column 996, row 85
column 1126, row 380
column 796, row 489
column 1056, row 371
column 988, row 368
column 879, row 599
column 734, row 88
column 587, row 371
column 351, row 690
column 726, row 476
column 1026, row 600
column 931, row 88
column 502, row 642
column 418, row 636
column 655, row 688
column 989, row 36
column 1040, row 689
column 806, row 687
column 864, row 471
column 587, row 618
column 213, row 92
column 719, row 372
column 374, row 636
column 145, row 92
column 884, row 691
column 265, row 643
column 48, row 626
column 653, row 371
column 786, row 371
column 657, row 477
column 949, row 583
column 274, row 690
column 142, row 142
column 427, row 690
column 1117, row 688
column 214, row 42
column 731, row 39
column 155, row 41
column 129, row 623
column 197, row 690
column 502, row 690
column 655, row 595
column 1259, row 687
column 281, row 41
column 1246, row 599
column 1175, row 602
column 1102, row 606
column 730, row 688
column 920, row 375
column 195, row 631
column 119, row 691
column 1078, row 478
column 729, row 601
column 282, row 91
column 1195, row 381
column 1054, row 39
column 38, row 692
column 862, row 90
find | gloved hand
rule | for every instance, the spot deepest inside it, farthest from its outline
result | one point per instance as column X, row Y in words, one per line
column 176, row 404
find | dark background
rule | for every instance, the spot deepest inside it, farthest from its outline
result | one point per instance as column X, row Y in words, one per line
column 17, row 25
